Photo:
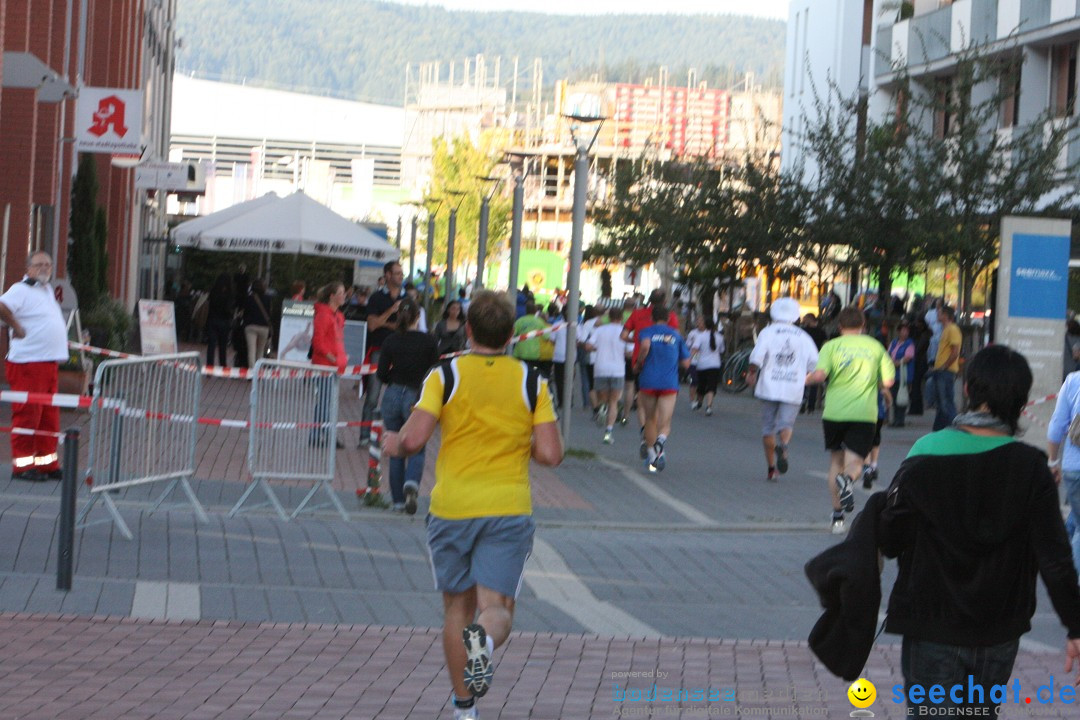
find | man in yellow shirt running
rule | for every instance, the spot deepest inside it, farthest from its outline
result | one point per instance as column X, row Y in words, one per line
column 496, row 414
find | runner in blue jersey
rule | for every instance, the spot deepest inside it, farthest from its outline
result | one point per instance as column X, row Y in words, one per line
column 662, row 351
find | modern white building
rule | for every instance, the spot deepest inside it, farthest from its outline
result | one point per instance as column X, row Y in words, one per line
column 255, row 140
column 828, row 46
column 863, row 44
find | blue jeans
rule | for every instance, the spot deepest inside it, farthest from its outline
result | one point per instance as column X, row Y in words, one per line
column 372, row 388
column 324, row 389
column 397, row 404
column 928, row 663
column 1071, row 480
column 945, row 393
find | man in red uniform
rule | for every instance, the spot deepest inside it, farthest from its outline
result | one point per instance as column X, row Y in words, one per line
column 38, row 342
column 639, row 320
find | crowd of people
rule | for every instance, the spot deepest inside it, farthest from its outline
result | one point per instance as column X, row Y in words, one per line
column 972, row 516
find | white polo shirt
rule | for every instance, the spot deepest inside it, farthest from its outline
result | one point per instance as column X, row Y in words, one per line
column 36, row 309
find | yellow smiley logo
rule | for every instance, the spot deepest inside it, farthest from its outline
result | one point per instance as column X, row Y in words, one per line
column 862, row 693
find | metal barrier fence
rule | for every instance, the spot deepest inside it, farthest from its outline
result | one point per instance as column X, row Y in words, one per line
column 143, row 429
column 293, row 433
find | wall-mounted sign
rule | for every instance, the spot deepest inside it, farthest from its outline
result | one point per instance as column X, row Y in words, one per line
column 108, row 120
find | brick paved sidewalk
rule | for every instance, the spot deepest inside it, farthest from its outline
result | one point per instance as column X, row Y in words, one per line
column 89, row 668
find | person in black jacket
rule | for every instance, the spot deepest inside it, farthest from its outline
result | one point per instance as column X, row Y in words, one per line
column 972, row 516
column 407, row 355
column 219, row 320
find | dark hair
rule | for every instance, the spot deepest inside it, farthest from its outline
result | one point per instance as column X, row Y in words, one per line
column 327, row 290
column 389, row 267
column 850, row 318
column 491, row 317
column 1000, row 378
column 446, row 310
column 298, row 286
column 615, row 315
column 258, row 287
column 590, row 312
column 657, row 297
column 949, row 311
column 710, row 325
column 552, row 308
column 659, row 312
column 1072, row 327
column 530, row 307
column 408, row 312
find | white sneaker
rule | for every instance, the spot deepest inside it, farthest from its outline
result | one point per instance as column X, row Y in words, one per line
column 467, row 714
column 838, row 526
column 608, row 438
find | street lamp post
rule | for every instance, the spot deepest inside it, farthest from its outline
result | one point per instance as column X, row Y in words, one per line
column 518, row 162
column 430, row 247
column 584, row 130
column 482, row 235
column 412, row 249
column 451, row 235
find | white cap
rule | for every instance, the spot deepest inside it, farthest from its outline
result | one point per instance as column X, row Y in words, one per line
column 785, row 310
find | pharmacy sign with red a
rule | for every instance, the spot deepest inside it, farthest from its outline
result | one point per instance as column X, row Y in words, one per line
column 108, row 120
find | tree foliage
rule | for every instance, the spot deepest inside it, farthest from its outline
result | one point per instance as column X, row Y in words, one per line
column 931, row 179
column 358, row 48
column 87, row 259
column 458, row 166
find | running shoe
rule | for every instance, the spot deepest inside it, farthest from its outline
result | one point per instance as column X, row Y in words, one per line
column 838, row 525
column 781, row 458
column 660, row 460
column 773, row 476
column 478, row 668
column 869, row 475
column 410, row 500
column 623, row 420
column 609, row 439
column 708, row 411
column 466, row 714
column 695, row 405
column 847, row 497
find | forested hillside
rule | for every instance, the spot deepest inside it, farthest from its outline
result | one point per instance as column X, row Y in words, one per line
column 358, row 49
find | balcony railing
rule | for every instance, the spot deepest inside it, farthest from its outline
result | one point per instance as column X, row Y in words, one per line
column 984, row 18
column 930, row 36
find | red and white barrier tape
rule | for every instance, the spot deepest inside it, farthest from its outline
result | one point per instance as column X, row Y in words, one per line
column 1042, row 400
column 50, row 399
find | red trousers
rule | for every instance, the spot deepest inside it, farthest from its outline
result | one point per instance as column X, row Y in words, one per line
column 34, row 451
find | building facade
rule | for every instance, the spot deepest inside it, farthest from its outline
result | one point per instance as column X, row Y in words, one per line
column 50, row 49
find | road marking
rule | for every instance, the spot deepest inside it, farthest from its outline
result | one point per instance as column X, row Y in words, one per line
column 166, row 601
column 548, row 575
column 686, row 510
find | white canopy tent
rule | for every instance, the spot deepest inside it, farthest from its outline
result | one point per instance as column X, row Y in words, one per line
column 293, row 224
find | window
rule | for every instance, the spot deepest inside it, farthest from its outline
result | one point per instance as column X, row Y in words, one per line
column 1063, row 80
column 1009, row 91
column 944, row 107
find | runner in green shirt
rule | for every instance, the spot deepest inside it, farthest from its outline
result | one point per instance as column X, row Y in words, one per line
column 855, row 366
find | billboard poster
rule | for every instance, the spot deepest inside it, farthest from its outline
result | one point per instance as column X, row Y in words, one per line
column 297, row 327
column 108, row 120
column 1032, row 295
column 157, row 327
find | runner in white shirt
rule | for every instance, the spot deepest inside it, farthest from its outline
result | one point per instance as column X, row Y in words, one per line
column 691, row 342
column 584, row 333
column 779, row 363
column 609, row 368
column 707, row 346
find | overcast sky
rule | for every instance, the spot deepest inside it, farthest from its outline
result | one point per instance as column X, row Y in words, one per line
column 760, row 8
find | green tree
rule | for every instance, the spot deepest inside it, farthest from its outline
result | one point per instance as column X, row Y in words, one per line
column 85, row 252
column 460, row 166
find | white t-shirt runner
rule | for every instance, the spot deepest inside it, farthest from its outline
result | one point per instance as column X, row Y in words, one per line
column 36, row 309
column 785, row 355
column 705, row 358
column 610, row 351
